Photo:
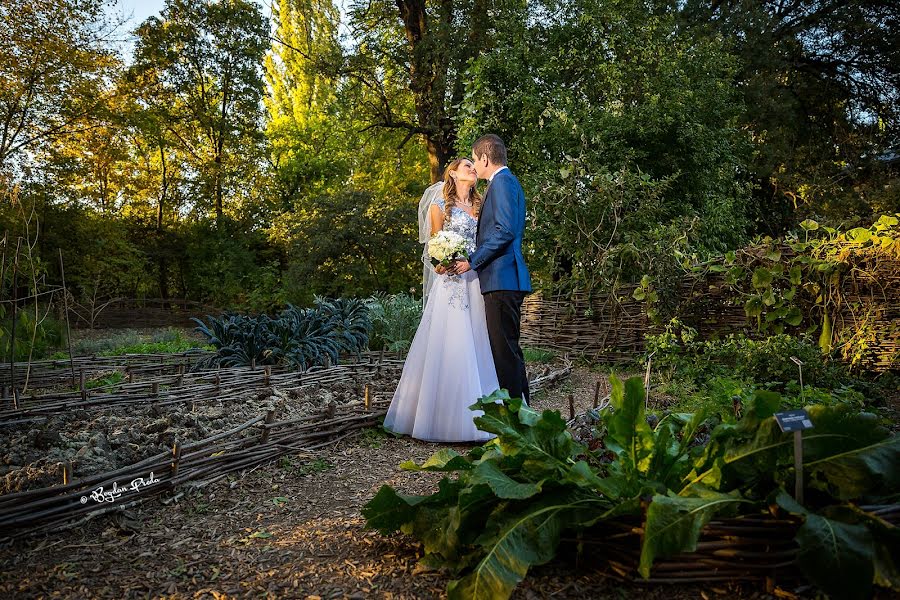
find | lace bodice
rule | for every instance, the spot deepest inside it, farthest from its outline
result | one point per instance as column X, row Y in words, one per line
column 456, row 286
column 460, row 222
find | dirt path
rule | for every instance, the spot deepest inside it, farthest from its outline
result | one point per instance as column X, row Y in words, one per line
column 286, row 530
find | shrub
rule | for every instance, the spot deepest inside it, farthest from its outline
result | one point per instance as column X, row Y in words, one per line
column 395, row 319
column 36, row 340
column 766, row 360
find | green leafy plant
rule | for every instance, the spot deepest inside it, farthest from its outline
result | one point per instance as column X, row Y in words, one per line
column 36, row 339
column 795, row 283
column 107, row 380
column 300, row 337
column 395, row 319
column 768, row 359
column 511, row 500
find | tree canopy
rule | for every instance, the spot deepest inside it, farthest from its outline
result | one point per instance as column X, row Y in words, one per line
column 245, row 161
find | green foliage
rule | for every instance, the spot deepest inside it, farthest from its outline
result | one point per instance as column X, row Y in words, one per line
column 299, row 337
column 765, row 360
column 395, row 319
column 35, row 339
column 107, row 380
column 52, row 64
column 349, row 244
column 626, row 133
column 813, row 153
column 196, row 69
column 719, row 376
column 795, row 283
column 538, row 355
column 118, row 343
column 509, row 502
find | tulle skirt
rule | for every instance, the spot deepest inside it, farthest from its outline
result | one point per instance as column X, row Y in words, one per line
column 449, row 366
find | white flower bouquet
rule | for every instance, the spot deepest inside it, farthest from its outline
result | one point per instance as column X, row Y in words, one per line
column 446, row 247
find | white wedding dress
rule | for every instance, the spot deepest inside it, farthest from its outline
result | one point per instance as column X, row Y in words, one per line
column 449, row 365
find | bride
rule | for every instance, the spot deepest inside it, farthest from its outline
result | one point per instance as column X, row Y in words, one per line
column 449, row 365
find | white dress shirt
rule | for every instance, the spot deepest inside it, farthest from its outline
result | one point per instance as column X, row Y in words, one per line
column 491, row 178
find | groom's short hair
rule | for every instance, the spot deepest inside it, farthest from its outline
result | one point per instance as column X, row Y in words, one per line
column 491, row 145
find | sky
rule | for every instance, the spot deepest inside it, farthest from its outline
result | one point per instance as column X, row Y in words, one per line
column 134, row 12
column 141, row 9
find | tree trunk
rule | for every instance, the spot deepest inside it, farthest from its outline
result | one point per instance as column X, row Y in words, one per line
column 428, row 80
column 440, row 153
column 163, row 191
column 218, row 184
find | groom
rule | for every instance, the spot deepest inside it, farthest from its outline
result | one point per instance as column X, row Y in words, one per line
column 499, row 262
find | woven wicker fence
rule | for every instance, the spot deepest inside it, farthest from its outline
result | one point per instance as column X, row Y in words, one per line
column 140, row 313
column 611, row 327
column 608, row 327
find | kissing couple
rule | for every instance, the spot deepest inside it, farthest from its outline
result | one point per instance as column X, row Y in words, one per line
column 467, row 343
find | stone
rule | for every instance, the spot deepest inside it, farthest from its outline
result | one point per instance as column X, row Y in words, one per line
column 100, row 443
column 157, row 426
column 46, row 438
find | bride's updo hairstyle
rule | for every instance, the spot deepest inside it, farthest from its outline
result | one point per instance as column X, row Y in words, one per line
column 450, row 195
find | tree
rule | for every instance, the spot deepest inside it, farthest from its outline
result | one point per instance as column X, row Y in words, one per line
column 821, row 86
column 625, row 132
column 198, row 68
column 407, row 67
column 53, row 65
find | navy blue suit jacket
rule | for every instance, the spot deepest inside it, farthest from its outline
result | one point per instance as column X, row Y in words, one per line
column 498, row 258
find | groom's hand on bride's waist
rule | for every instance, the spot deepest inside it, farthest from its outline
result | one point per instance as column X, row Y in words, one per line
column 459, row 267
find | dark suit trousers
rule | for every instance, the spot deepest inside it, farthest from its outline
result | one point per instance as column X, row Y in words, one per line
column 503, row 311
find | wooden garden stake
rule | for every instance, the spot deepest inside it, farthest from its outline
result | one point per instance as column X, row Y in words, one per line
column 270, row 416
column 12, row 328
column 367, row 398
column 799, row 364
column 267, row 373
column 597, row 394
column 67, row 473
column 647, row 382
column 62, row 272
column 154, row 388
column 253, row 364
column 795, row 421
column 571, row 407
column 798, row 466
column 81, row 385
column 176, row 456
column 218, row 377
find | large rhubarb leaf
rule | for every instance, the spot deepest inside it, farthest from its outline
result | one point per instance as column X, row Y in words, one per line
column 862, row 471
column 518, row 541
column 444, row 460
column 539, row 440
column 836, row 556
column 502, row 484
column 388, row 511
column 629, row 435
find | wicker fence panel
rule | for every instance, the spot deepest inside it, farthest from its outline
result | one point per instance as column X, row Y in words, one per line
column 608, row 327
column 144, row 313
column 611, row 328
